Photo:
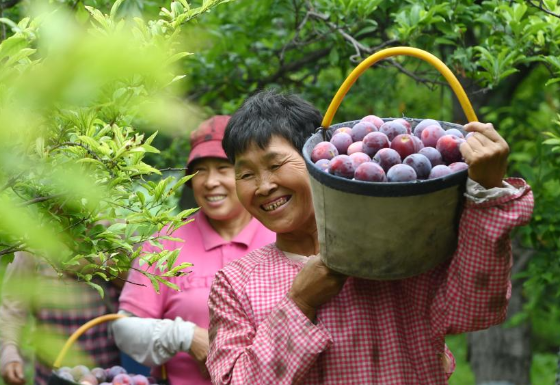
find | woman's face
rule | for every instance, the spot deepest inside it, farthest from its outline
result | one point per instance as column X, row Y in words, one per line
column 214, row 188
column 273, row 185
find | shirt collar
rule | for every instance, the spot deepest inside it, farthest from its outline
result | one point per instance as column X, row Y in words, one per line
column 211, row 239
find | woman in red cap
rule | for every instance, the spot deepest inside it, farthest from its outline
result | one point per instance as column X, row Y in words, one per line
column 171, row 327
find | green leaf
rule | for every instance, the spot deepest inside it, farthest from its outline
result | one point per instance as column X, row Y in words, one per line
column 98, row 288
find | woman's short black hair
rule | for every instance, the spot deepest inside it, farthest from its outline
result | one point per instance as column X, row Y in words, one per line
column 266, row 114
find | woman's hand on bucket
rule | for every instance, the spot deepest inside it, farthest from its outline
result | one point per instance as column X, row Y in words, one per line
column 486, row 154
column 315, row 285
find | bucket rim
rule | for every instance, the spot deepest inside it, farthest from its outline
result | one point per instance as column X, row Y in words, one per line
column 382, row 189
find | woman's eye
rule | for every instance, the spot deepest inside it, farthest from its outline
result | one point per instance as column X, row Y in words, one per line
column 275, row 166
column 244, row 176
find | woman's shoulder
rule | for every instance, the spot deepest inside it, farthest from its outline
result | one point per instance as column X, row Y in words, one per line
column 241, row 269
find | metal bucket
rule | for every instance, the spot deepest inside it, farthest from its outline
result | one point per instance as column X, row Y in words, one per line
column 386, row 230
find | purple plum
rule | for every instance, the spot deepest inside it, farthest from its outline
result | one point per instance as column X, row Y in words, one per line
column 122, row 379
column 323, row 150
column 370, row 172
column 387, row 158
column 323, row 164
column 361, row 129
column 439, row 171
column 401, row 173
column 341, row 141
column 455, row 132
column 377, row 121
column 346, row 130
column 343, row 166
column 423, row 124
column 374, row 142
column 358, row 158
column 431, row 134
column 139, row 379
column 458, row 166
column 449, row 147
column 432, row 154
column 355, row 147
column 420, row 163
column 392, row 129
column 403, row 144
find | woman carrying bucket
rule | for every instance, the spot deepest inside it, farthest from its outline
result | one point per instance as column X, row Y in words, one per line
column 280, row 316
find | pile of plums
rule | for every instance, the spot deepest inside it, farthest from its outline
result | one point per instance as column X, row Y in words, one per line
column 116, row 375
column 392, row 151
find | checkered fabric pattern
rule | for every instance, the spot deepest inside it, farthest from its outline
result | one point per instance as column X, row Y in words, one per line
column 372, row 332
column 69, row 305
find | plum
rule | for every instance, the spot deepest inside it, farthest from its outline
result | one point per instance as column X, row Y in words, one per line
column 122, row 379
column 418, row 145
column 405, row 123
column 79, row 371
column 346, row 130
column 373, row 142
column 432, row 154
column 341, row 141
column 361, row 129
column 439, row 171
column 455, row 132
column 139, row 379
column 401, row 173
column 448, row 146
column 323, row 164
column 420, row 163
column 387, row 158
column 358, row 158
column 99, row 373
column 458, row 166
column 343, row 166
column 423, row 124
column 431, row 134
column 403, row 144
column 323, row 150
column 377, row 121
column 355, row 147
column 114, row 371
column 88, row 379
column 66, row 375
column 370, row 172
column 392, row 129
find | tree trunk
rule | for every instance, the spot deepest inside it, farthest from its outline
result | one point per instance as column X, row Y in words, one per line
column 499, row 355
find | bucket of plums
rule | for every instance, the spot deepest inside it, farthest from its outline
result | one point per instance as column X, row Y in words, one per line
column 82, row 375
column 387, row 192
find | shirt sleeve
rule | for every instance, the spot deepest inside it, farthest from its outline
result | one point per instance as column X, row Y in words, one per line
column 476, row 288
column 151, row 341
column 278, row 351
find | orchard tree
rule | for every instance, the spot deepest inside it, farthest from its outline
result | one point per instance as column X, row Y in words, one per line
column 82, row 95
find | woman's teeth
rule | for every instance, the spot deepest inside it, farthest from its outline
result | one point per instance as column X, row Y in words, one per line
column 274, row 205
column 216, row 198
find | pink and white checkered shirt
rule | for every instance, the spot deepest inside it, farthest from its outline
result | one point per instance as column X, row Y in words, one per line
column 372, row 332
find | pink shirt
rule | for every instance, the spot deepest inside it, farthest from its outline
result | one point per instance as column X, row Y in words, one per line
column 372, row 332
column 209, row 253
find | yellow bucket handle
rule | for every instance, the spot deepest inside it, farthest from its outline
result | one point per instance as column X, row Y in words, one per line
column 407, row 51
column 82, row 329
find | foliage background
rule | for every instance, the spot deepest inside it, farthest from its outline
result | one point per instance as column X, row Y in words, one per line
column 505, row 53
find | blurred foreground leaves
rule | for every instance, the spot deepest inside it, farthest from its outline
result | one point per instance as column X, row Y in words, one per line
column 78, row 91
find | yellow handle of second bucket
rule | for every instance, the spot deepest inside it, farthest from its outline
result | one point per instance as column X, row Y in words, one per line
column 407, row 51
column 82, row 329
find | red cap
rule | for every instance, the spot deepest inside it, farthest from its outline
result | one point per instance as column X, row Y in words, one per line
column 206, row 140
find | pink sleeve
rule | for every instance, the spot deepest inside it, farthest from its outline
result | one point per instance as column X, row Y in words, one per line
column 138, row 295
column 278, row 351
column 476, row 289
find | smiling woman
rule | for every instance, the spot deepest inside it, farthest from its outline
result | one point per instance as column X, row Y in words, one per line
column 171, row 327
column 280, row 316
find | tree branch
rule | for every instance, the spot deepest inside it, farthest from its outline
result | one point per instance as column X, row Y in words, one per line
column 88, row 150
column 40, row 199
column 540, row 6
